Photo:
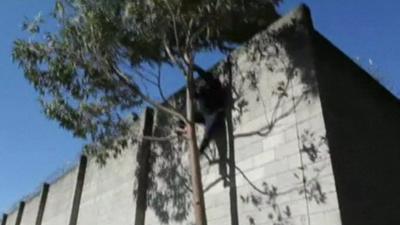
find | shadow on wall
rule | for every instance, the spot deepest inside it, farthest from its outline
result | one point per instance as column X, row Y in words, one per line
column 284, row 55
column 285, row 51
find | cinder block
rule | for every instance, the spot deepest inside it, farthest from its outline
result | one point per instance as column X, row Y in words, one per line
column 330, row 204
column 221, row 211
column 318, row 219
column 255, row 124
column 294, row 161
column 307, row 109
column 321, row 168
column 263, row 158
column 252, row 175
column 284, row 123
column 297, row 207
column 333, row 217
column 314, row 124
column 251, row 149
column 217, row 199
column 219, row 221
column 288, row 181
column 276, row 167
column 291, row 134
column 273, row 141
column 246, row 164
column 289, row 148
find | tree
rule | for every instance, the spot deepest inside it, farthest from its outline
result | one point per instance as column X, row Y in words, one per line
column 89, row 69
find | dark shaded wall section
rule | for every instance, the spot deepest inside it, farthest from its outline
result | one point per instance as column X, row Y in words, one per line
column 363, row 128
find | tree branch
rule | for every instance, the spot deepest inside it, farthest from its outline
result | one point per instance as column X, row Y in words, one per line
column 173, row 23
column 146, row 98
column 173, row 58
column 159, row 139
column 142, row 76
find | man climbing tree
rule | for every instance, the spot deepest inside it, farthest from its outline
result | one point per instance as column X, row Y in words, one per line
column 90, row 69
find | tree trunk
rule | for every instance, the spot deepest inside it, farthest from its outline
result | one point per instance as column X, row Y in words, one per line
column 194, row 155
column 144, row 166
column 231, row 150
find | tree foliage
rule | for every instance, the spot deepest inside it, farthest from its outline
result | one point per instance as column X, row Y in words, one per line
column 87, row 69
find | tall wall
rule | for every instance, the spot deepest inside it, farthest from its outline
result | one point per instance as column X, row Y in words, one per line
column 284, row 173
column 59, row 201
column 107, row 196
column 280, row 141
column 363, row 124
column 31, row 211
column 12, row 218
column 290, row 99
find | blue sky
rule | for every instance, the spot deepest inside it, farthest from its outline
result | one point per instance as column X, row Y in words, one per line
column 32, row 147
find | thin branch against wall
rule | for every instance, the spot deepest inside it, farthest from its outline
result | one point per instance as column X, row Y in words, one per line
column 267, row 129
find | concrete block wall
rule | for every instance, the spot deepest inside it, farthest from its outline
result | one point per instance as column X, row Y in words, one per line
column 12, row 217
column 107, row 196
column 31, row 211
column 88, row 194
column 59, row 201
column 290, row 146
column 284, row 173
